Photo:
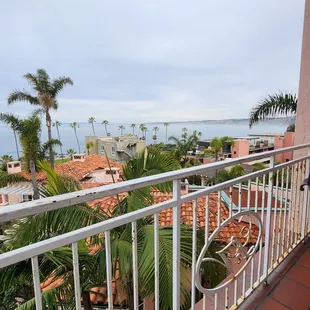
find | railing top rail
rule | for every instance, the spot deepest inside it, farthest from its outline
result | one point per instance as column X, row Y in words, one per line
column 52, row 203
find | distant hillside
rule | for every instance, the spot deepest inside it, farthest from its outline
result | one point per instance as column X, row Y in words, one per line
column 276, row 120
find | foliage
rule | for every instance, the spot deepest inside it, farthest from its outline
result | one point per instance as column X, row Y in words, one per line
column 184, row 144
column 88, row 146
column 91, row 121
column 4, row 159
column 46, row 92
column 217, row 145
column 276, row 104
column 42, row 154
column 74, row 126
column 223, row 175
column 290, row 128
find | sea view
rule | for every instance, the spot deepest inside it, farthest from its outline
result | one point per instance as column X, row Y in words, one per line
column 239, row 129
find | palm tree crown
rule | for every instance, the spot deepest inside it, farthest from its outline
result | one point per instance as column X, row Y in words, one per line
column 272, row 105
column 133, row 126
column 106, row 123
column 121, row 128
column 46, row 96
column 75, row 125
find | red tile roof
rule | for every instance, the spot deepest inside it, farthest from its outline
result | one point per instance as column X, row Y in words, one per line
column 77, row 170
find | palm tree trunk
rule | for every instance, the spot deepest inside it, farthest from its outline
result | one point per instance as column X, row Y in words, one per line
column 133, row 131
column 106, row 130
column 34, row 180
column 59, row 140
column 49, row 134
column 166, row 134
column 16, row 144
column 93, row 128
column 77, row 140
column 86, row 301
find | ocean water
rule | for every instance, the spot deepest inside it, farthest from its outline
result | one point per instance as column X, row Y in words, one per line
column 7, row 144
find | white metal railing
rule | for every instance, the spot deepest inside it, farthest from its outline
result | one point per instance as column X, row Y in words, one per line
column 281, row 220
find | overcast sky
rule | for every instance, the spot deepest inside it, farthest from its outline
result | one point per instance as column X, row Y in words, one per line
column 140, row 61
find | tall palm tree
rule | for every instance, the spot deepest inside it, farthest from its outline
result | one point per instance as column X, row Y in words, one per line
column 121, row 128
column 133, row 126
column 29, row 131
column 155, row 129
column 91, row 121
column 141, row 127
column 89, row 145
column 217, row 145
column 57, row 124
column 106, row 123
column 75, row 125
column 276, row 104
column 4, row 159
column 166, row 125
column 46, row 91
column 145, row 129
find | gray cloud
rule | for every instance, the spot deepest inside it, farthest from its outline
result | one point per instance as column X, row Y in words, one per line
column 153, row 60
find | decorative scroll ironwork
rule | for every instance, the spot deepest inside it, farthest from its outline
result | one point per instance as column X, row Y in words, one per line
column 237, row 249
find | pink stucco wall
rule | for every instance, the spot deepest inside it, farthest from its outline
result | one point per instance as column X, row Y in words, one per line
column 281, row 142
column 241, row 148
column 303, row 109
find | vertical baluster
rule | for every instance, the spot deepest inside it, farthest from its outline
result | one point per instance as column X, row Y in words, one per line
column 76, row 275
column 248, row 208
column 305, row 202
column 107, row 241
column 275, row 228
column 236, row 292
column 226, row 297
column 239, row 197
column 176, row 245
column 134, row 235
column 206, row 239
column 218, row 208
column 261, row 239
column 268, row 219
column 285, row 216
column 280, row 224
column 300, row 202
column 215, row 302
column 291, row 209
column 230, row 201
column 295, row 204
column 194, row 250
column 156, row 258
column 36, row 282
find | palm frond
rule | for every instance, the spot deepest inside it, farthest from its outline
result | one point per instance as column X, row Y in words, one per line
column 23, row 95
column 272, row 105
column 58, row 85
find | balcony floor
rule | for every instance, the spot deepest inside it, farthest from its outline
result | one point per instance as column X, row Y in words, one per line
column 288, row 286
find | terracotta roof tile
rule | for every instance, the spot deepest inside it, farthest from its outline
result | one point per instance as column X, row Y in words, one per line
column 77, row 170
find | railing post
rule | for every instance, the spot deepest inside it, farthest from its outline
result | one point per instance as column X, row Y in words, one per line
column 176, row 245
column 305, row 203
column 268, row 220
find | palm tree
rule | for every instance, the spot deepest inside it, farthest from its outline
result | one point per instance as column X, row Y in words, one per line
column 29, row 131
column 121, row 128
column 71, row 152
column 184, row 145
column 226, row 175
column 57, row 124
column 217, row 145
column 106, row 123
column 133, row 126
column 276, row 104
column 145, row 129
column 154, row 138
column 91, row 121
column 166, row 125
column 142, row 127
column 89, row 145
column 4, row 159
column 42, row 155
column 75, row 125
column 184, row 132
column 46, row 91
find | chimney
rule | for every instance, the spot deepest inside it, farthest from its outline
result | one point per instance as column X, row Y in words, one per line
column 14, row 167
column 78, row 157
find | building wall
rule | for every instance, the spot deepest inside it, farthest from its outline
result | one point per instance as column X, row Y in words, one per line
column 302, row 130
column 240, row 148
column 94, row 149
column 281, row 142
column 14, row 199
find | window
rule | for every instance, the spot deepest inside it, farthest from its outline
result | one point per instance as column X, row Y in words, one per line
column 109, row 172
column 235, row 152
column 16, row 165
column 10, row 166
column 113, row 150
column 102, row 149
column 27, row 198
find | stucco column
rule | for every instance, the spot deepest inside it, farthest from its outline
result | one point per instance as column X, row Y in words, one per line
column 302, row 132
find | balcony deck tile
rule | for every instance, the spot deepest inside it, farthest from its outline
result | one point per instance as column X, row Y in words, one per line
column 272, row 304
